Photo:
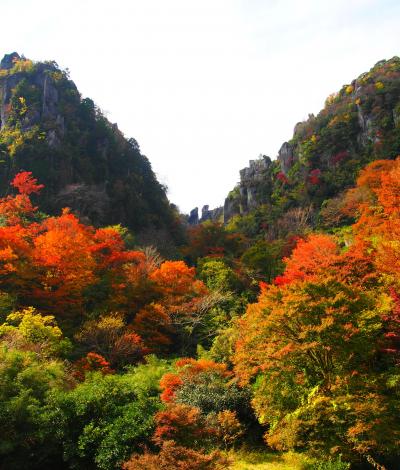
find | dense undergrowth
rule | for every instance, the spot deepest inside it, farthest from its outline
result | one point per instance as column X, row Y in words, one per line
column 311, row 366
column 249, row 352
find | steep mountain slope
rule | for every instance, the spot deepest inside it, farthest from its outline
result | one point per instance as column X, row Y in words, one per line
column 359, row 124
column 83, row 160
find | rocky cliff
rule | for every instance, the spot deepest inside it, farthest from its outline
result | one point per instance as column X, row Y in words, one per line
column 84, row 161
column 358, row 124
column 255, row 185
column 215, row 215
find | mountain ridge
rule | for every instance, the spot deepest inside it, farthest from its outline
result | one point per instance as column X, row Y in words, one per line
column 84, row 161
column 358, row 124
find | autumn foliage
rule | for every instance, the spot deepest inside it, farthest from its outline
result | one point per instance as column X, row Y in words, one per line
column 188, row 369
column 26, row 183
column 278, row 327
column 177, row 457
column 321, row 345
column 62, row 266
column 311, row 365
column 183, row 424
column 92, row 362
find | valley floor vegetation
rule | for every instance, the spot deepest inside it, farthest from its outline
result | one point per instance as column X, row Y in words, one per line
column 242, row 354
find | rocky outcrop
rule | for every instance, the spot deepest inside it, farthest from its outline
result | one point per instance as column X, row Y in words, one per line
column 231, row 208
column 42, row 86
column 211, row 214
column 8, row 60
column 252, row 179
column 360, row 123
column 286, row 157
column 215, row 215
column 255, row 180
column 193, row 218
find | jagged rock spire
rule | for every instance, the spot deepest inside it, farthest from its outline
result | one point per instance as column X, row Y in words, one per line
column 8, row 60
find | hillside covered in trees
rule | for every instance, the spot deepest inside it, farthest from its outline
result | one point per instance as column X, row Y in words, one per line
column 359, row 124
column 82, row 159
column 274, row 337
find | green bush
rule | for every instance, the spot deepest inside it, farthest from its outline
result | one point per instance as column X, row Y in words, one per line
column 102, row 421
column 335, row 464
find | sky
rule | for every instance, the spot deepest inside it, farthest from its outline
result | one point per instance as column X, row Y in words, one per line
column 205, row 85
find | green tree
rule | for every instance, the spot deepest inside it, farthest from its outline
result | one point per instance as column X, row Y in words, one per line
column 311, row 352
column 102, row 421
column 26, row 441
column 264, row 260
column 27, row 329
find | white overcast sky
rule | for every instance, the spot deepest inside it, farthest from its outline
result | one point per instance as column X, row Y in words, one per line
column 205, row 85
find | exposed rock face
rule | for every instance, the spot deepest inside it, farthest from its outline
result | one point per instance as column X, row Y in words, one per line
column 365, row 122
column 360, row 123
column 211, row 214
column 43, row 84
column 8, row 61
column 6, row 87
column 251, row 180
column 194, row 216
column 49, row 98
column 254, row 180
column 205, row 212
column 231, row 208
column 286, row 157
column 214, row 215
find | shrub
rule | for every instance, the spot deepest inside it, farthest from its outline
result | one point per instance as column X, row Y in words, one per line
column 336, row 464
column 172, row 456
column 102, row 421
